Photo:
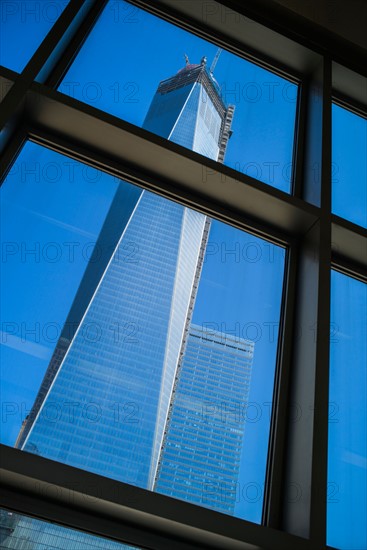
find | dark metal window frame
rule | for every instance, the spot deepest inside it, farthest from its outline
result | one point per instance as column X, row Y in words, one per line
column 327, row 67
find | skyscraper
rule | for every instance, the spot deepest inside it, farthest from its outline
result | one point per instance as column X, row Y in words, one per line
column 201, row 452
column 188, row 109
column 104, row 401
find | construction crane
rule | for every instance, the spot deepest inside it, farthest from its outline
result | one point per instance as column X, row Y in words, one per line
column 215, row 60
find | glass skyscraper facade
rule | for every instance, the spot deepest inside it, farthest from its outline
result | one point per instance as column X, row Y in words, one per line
column 201, row 453
column 19, row 532
column 106, row 397
column 122, row 379
column 187, row 109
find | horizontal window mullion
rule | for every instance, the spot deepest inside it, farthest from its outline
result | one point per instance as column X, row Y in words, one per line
column 349, row 244
column 102, row 140
column 39, row 487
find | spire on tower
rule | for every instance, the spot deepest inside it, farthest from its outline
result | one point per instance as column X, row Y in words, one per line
column 215, row 61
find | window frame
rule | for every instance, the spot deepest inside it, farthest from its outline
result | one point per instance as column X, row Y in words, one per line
column 316, row 239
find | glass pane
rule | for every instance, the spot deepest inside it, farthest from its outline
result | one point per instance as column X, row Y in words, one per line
column 349, row 184
column 52, row 213
column 18, row 532
column 147, row 82
column 153, row 362
column 347, row 470
column 23, row 26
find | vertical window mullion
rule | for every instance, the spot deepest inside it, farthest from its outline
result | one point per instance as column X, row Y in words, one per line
column 322, row 334
column 272, row 515
column 304, row 497
column 278, row 433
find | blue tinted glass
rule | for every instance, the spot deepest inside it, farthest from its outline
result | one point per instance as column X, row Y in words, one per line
column 150, row 331
column 121, row 75
column 23, row 26
column 48, row 237
column 347, row 469
column 349, row 183
column 224, row 389
column 18, row 532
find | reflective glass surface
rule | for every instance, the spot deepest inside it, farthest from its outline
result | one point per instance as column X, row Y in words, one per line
column 349, row 173
column 150, row 331
column 119, row 74
column 347, row 468
column 52, row 213
column 23, row 26
column 18, row 532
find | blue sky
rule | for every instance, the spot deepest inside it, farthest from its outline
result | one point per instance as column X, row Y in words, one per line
column 55, row 207
column 347, row 472
column 24, row 24
column 349, row 180
column 60, row 202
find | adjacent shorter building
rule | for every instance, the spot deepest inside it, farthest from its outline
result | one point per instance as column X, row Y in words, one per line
column 201, row 453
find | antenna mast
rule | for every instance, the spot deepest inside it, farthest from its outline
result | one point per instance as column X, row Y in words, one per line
column 215, row 60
